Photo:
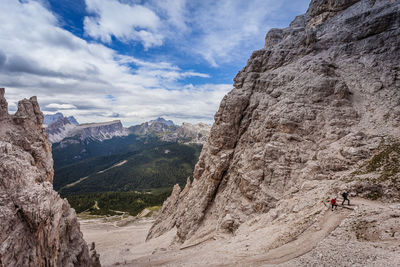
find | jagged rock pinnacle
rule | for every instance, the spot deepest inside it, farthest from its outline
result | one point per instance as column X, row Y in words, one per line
column 37, row 228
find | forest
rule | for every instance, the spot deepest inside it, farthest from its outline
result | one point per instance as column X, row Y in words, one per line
column 111, row 203
column 123, row 174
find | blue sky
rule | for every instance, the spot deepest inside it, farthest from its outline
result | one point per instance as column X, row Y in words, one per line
column 130, row 59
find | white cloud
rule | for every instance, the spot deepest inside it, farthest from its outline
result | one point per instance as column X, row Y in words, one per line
column 175, row 14
column 228, row 28
column 89, row 80
column 218, row 31
column 60, row 106
column 38, row 57
column 124, row 21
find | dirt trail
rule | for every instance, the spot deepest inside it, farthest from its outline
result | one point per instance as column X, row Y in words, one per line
column 310, row 238
column 303, row 243
column 214, row 252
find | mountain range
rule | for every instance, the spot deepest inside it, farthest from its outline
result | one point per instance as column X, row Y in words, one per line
column 104, row 157
column 67, row 129
column 313, row 114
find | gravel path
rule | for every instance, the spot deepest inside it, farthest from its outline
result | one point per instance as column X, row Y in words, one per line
column 369, row 235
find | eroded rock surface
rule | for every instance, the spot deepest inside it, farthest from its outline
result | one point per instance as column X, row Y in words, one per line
column 305, row 113
column 37, row 227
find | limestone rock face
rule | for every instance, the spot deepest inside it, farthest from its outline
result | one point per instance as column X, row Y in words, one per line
column 37, row 227
column 308, row 109
column 320, row 10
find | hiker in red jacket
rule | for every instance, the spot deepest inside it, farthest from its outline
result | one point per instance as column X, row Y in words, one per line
column 333, row 203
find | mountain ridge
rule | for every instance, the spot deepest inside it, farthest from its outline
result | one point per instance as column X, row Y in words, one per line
column 63, row 128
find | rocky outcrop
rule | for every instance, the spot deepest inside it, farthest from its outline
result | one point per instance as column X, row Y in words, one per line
column 308, row 109
column 321, row 10
column 37, row 227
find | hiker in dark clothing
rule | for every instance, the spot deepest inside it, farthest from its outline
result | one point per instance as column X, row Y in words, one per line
column 345, row 196
column 333, row 203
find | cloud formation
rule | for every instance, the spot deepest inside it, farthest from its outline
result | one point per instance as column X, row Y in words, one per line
column 125, row 21
column 91, row 79
column 57, row 106
column 218, row 31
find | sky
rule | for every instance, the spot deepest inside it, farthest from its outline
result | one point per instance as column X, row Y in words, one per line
column 132, row 60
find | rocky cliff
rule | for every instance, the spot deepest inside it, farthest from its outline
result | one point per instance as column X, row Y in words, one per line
column 314, row 112
column 37, row 227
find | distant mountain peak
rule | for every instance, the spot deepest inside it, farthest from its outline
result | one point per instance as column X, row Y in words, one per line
column 162, row 120
column 51, row 118
column 73, row 120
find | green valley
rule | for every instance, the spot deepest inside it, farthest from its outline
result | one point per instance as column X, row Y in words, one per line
column 125, row 173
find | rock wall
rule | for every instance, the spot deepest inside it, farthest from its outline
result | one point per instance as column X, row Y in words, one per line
column 37, row 227
column 308, row 109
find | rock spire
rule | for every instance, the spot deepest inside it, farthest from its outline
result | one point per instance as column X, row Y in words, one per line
column 37, row 227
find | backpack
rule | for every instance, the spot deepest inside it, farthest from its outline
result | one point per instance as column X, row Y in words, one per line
column 344, row 195
column 333, row 201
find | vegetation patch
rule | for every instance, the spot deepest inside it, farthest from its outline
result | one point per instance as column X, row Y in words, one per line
column 386, row 163
column 154, row 208
column 382, row 171
column 114, row 203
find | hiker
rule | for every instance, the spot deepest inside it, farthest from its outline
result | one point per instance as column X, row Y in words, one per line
column 345, row 196
column 333, row 203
